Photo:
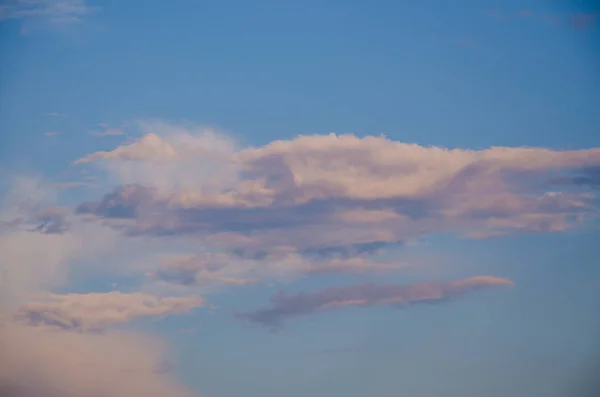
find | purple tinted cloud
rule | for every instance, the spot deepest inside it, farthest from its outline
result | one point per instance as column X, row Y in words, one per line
column 284, row 306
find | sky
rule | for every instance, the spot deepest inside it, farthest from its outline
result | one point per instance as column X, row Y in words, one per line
column 285, row 198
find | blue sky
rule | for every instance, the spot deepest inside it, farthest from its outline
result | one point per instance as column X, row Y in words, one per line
column 169, row 178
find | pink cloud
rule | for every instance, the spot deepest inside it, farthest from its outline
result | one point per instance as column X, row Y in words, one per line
column 94, row 311
column 332, row 192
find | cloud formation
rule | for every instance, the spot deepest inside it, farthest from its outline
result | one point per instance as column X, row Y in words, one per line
column 333, row 193
column 284, row 306
column 95, row 311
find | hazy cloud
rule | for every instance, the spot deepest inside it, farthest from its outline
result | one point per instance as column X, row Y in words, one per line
column 55, row 114
column 39, row 240
column 284, row 306
column 525, row 12
column 579, row 21
column 40, row 361
column 54, row 11
column 583, row 21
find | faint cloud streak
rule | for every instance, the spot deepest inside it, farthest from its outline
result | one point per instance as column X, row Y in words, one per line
column 53, row 12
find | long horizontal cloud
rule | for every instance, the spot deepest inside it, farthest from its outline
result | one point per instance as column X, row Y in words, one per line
column 94, row 311
column 284, row 306
column 212, row 269
column 334, row 193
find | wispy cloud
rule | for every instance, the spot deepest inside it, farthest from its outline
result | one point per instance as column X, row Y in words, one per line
column 94, row 311
column 53, row 11
column 579, row 21
column 74, row 184
column 583, row 21
column 223, row 269
column 494, row 13
column 52, row 133
column 55, row 114
column 285, row 306
column 107, row 132
column 525, row 13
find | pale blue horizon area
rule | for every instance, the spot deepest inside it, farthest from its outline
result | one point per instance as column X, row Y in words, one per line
column 448, row 74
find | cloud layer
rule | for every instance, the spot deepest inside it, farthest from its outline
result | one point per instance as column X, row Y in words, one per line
column 284, row 306
column 184, row 209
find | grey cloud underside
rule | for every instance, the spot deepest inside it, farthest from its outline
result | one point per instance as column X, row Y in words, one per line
column 284, row 306
column 51, row 220
column 283, row 224
column 321, row 203
column 587, row 177
column 153, row 215
column 350, row 250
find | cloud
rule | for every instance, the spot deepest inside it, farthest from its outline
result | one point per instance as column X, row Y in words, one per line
column 51, row 133
column 169, row 157
column 39, row 240
column 51, row 220
column 53, row 11
column 339, row 194
column 222, row 269
column 40, row 361
column 41, row 243
column 583, row 21
column 284, row 306
column 55, row 114
column 525, row 12
column 94, row 311
column 579, row 21
column 588, row 177
column 73, row 184
column 107, row 132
